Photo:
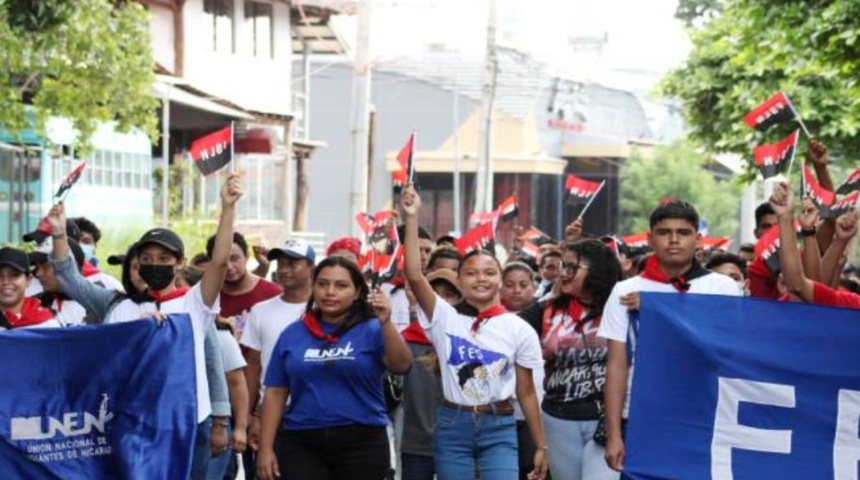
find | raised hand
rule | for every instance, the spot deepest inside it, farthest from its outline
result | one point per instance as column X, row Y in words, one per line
column 381, row 305
column 573, row 231
column 410, row 202
column 231, row 191
column 846, row 225
column 817, row 152
column 57, row 218
column 808, row 215
column 782, row 200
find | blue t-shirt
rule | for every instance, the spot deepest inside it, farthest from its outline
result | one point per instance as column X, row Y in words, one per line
column 330, row 384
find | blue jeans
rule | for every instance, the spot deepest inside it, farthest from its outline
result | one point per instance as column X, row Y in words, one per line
column 462, row 438
column 218, row 464
column 416, row 467
column 202, row 450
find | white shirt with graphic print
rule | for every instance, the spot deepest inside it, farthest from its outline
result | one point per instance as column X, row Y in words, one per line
column 615, row 324
column 480, row 369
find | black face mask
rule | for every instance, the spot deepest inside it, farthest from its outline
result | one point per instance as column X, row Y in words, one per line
column 157, row 277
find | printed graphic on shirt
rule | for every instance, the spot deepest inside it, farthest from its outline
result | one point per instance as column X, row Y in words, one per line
column 476, row 368
column 575, row 356
column 330, row 354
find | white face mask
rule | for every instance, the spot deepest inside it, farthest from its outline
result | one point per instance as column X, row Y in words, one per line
column 89, row 251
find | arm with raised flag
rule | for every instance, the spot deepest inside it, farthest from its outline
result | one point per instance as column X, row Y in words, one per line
column 410, row 202
column 808, row 229
column 213, row 278
column 846, row 229
column 817, row 154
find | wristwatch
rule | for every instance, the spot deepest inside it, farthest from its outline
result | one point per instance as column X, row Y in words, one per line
column 808, row 232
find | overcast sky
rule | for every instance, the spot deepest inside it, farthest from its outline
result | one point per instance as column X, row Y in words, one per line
column 642, row 34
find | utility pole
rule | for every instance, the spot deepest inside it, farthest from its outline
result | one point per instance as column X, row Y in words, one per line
column 455, row 124
column 484, row 174
column 360, row 123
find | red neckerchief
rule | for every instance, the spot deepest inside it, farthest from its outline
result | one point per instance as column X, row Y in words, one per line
column 415, row 334
column 158, row 298
column 681, row 282
column 487, row 314
column 89, row 270
column 312, row 323
column 32, row 313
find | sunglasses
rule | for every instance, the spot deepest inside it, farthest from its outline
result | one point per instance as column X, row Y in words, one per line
column 571, row 268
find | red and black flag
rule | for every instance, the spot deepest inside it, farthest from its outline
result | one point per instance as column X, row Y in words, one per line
column 770, row 158
column 843, row 206
column 851, row 184
column 636, row 240
column 711, row 243
column 70, row 181
column 368, row 223
column 582, row 193
column 509, row 209
column 820, row 196
column 767, row 249
column 481, row 237
column 535, row 236
column 530, row 250
column 777, row 109
column 405, row 172
column 385, row 267
column 212, row 152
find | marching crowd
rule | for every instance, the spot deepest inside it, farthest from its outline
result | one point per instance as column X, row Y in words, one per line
column 463, row 365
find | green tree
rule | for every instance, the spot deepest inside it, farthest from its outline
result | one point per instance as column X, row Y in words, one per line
column 746, row 50
column 677, row 171
column 85, row 60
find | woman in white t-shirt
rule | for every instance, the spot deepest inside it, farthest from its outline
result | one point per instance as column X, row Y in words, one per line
column 484, row 361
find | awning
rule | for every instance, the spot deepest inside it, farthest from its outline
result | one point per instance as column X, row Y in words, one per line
column 175, row 91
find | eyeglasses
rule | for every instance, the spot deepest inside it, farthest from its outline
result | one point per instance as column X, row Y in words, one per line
column 571, row 268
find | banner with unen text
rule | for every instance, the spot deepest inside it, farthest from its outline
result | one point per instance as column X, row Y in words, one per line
column 98, row 402
column 730, row 388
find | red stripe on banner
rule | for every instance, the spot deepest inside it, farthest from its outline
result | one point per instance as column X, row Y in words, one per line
column 772, row 106
column 580, row 187
column 212, row 144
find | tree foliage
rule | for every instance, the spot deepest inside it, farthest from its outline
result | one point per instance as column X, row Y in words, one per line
column 752, row 48
column 86, row 60
column 677, row 171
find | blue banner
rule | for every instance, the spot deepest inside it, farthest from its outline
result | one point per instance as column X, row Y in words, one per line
column 727, row 388
column 98, row 402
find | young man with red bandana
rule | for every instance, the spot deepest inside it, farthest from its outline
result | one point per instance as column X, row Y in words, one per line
column 672, row 268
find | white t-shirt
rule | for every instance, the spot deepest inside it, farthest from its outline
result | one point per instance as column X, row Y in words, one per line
column 69, row 312
column 202, row 318
column 615, row 324
column 105, row 280
column 265, row 323
column 399, row 306
column 230, row 351
column 480, row 369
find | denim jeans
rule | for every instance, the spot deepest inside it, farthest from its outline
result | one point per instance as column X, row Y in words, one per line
column 462, row 437
column 218, row 464
column 202, row 450
column 416, row 467
column 573, row 453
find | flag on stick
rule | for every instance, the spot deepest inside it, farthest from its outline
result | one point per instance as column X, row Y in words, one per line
column 535, row 235
column 775, row 110
column 406, row 165
column 212, row 152
column 582, row 193
column 69, row 182
column 821, row 197
column 636, row 240
column 481, row 237
column 509, row 209
column 851, row 184
column 767, row 249
column 769, row 158
column 843, row 206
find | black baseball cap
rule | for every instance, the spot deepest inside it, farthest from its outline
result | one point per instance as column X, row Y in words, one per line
column 43, row 231
column 163, row 237
column 117, row 259
column 41, row 256
column 14, row 258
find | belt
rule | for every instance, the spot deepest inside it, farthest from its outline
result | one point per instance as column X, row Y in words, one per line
column 504, row 407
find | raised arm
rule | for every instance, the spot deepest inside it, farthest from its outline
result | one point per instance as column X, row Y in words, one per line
column 811, row 253
column 410, row 202
column 789, row 258
column 213, row 278
column 846, row 228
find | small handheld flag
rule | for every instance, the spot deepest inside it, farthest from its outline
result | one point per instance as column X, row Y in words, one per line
column 508, row 209
column 636, row 240
column 821, row 197
column 530, row 250
column 843, row 206
column 406, row 171
column 710, row 243
column 535, row 235
column 481, row 237
column 582, row 192
column 212, row 152
column 767, row 248
column 69, row 182
column 851, row 184
column 775, row 110
column 769, row 158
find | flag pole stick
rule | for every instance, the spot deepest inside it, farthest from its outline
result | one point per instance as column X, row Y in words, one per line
column 411, row 173
column 798, row 118
column 793, row 155
column 591, row 200
column 232, row 146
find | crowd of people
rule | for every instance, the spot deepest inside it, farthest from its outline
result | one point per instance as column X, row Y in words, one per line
column 463, row 365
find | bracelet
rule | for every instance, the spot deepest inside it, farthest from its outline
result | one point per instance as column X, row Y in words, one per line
column 58, row 236
column 808, row 232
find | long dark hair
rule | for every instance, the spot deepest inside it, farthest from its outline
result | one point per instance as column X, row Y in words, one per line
column 604, row 270
column 360, row 311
